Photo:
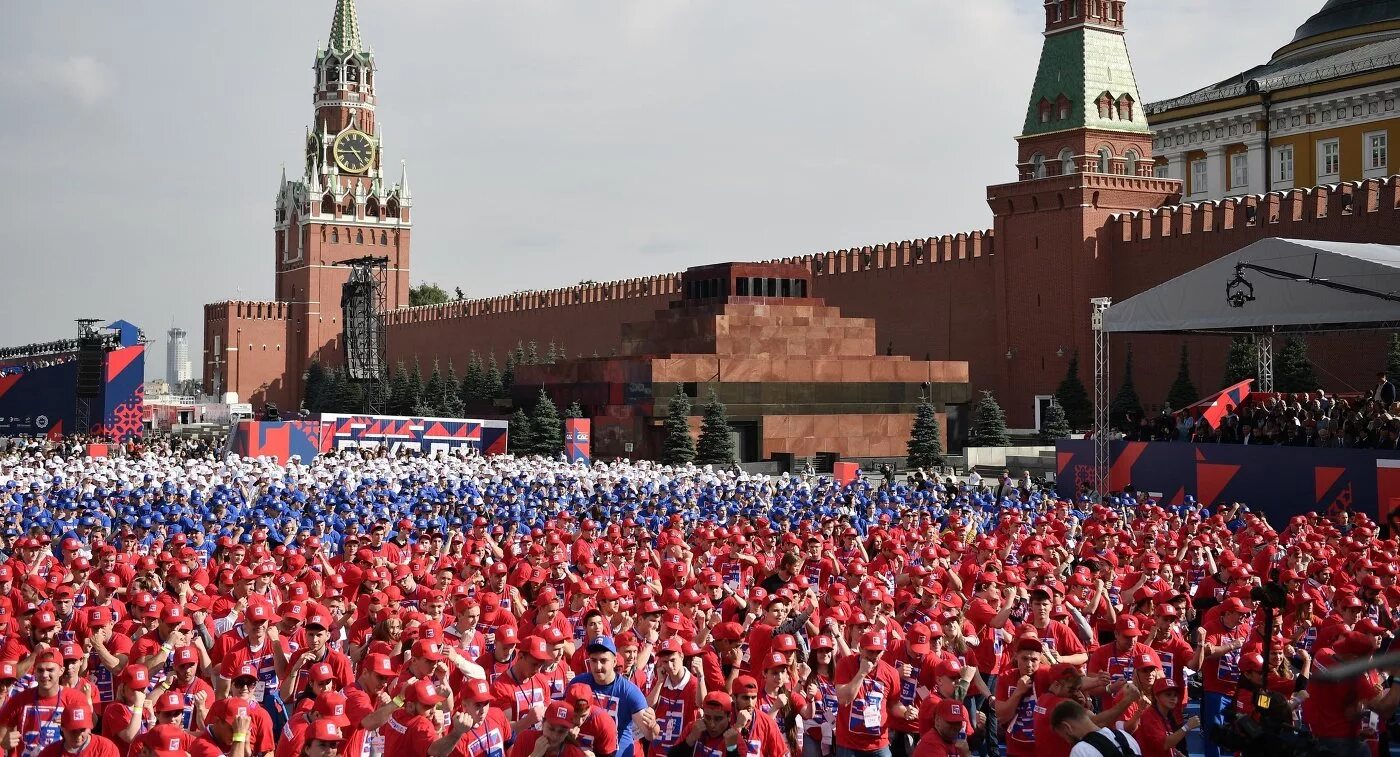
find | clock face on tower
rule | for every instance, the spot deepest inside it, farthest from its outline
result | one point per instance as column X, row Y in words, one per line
column 354, row 151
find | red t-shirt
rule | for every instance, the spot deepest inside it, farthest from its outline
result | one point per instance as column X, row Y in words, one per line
column 515, row 698
column 675, row 711
column 408, row 734
column 854, row 728
column 97, row 746
column 1152, row 733
column 1325, row 709
column 931, row 744
column 1048, row 743
column 598, row 733
column 488, row 738
column 359, row 705
column 37, row 719
column 1020, row 731
column 115, row 718
column 1220, row 675
column 525, row 746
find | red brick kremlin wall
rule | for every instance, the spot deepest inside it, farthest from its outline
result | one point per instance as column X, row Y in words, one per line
column 933, row 298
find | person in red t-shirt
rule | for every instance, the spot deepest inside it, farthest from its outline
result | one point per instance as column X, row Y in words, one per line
column 521, row 693
column 1160, row 731
column 78, row 738
column 714, row 734
column 122, row 720
column 1333, row 709
column 31, row 719
column 1015, row 698
column 756, row 727
column 410, row 731
column 557, row 736
column 479, row 729
column 867, row 691
column 1221, row 639
column 229, row 732
column 948, row 737
column 675, row 697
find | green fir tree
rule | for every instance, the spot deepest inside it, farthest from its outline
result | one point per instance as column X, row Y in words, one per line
column 1073, row 398
column 521, row 439
column 575, row 410
column 988, row 423
column 679, row 447
column 547, row 427
column 507, row 378
column 552, row 356
column 413, row 397
column 330, row 393
column 472, row 383
column 1182, row 393
column 532, row 353
column 1241, row 362
column 313, row 391
column 1054, row 425
column 400, row 403
column 1392, row 356
column 491, row 383
column 450, row 405
column 1126, row 409
column 716, row 445
column 925, row 439
column 349, row 394
column 1293, row 371
column 430, row 399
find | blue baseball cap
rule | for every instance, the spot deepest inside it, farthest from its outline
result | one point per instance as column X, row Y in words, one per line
column 602, row 644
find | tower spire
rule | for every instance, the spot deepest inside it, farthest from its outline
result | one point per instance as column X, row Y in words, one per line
column 345, row 28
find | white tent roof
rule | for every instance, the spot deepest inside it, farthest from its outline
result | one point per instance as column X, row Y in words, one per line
column 1195, row 301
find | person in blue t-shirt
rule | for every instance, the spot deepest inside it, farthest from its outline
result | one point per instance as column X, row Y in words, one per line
column 619, row 696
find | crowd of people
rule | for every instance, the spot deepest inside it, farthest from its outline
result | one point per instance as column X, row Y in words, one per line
column 175, row 601
column 1304, row 419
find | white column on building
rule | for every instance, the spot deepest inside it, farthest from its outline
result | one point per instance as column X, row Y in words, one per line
column 1176, row 166
column 1215, row 171
column 1254, row 162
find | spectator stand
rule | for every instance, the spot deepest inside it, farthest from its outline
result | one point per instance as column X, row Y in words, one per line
column 1274, row 286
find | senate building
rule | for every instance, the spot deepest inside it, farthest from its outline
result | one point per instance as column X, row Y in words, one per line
column 1114, row 194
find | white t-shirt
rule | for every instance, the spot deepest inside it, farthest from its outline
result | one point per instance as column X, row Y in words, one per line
column 1085, row 749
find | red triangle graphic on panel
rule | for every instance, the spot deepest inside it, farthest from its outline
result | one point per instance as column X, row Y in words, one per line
column 461, row 432
column 8, row 381
column 1120, row 474
column 1323, row 479
column 118, row 360
column 1061, row 460
column 435, row 430
column 1211, row 479
column 1199, row 457
column 1179, row 497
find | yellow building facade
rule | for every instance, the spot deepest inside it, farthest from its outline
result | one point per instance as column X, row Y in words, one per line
column 1323, row 110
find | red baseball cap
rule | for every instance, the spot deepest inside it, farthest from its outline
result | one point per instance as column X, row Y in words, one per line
column 424, row 692
column 381, row 664
column 324, row 729
column 537, row 648
column 951, row 711
column 478, row 690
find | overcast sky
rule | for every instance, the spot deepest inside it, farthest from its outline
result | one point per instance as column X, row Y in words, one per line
column 548, row 141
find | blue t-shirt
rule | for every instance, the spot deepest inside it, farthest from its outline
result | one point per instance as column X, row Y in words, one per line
column 622, row 699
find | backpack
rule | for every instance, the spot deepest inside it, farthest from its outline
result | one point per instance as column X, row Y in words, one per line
column 1107, row 747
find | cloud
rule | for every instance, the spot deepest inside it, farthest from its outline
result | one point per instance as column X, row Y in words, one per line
column 84, row 79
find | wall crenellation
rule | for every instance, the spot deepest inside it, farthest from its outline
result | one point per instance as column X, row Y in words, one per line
column 1272, row 212
column 947, row 248
column 648, row 286
column 944, row 249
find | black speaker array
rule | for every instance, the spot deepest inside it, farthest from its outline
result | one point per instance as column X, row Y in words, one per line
column 359, row 305
column 90, row 359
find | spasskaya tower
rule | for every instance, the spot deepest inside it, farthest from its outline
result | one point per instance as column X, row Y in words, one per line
column 343, row 206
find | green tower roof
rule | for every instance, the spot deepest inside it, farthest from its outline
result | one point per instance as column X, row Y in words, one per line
column 345, row 28
column 1082, row 63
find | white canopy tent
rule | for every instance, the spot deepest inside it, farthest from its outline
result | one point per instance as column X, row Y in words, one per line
column 1196, row 301
column 1271, row 286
